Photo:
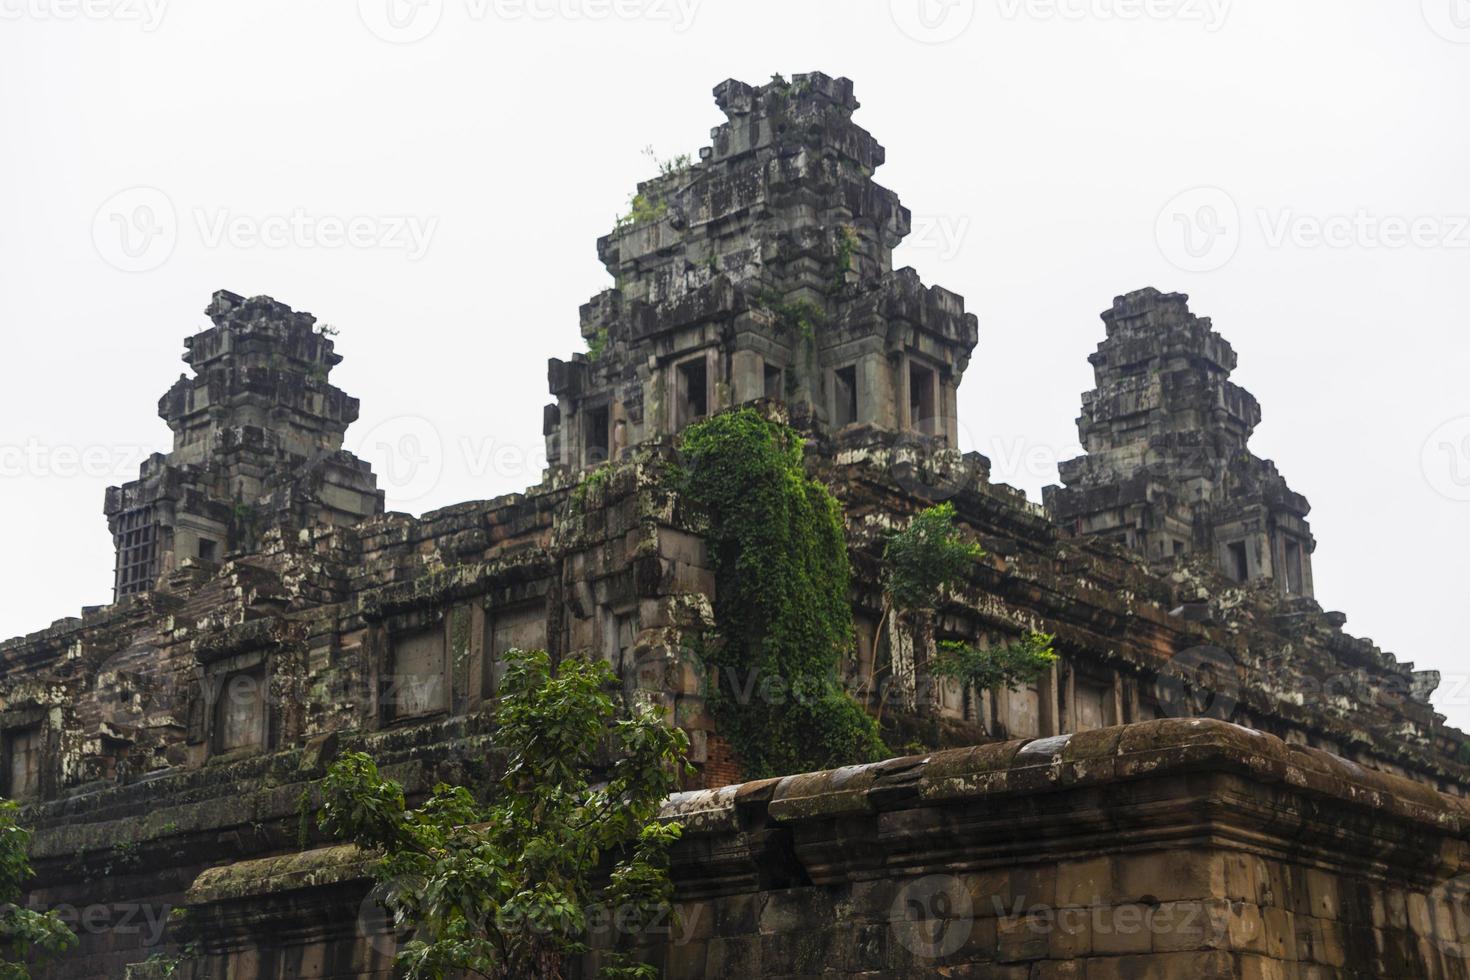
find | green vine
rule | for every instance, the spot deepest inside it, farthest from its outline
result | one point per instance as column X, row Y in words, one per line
column 800, row 318
column 597, row 344
column 847, row 243
column 782, row 613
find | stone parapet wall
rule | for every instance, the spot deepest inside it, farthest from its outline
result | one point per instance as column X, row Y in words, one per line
column 1154, row 851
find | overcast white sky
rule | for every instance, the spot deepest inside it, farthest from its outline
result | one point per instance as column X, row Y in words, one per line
column 1054, row 153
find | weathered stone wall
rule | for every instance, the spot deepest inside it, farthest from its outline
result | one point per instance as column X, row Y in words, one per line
column 1148, row 852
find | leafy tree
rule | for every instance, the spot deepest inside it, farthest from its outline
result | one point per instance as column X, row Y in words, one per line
column 919, row 561
column 511, row 887
column 782, row 613
column 24, row 933
column 984, row 669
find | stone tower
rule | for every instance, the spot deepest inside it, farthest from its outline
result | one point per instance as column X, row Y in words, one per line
column 257, row 445
column 1168, row 471
column 762, row 270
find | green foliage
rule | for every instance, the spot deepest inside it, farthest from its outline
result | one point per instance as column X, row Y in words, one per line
column 592, row 481
column 670, row 166
column 847, row 243
column 642, row 209
column 597, row 345
column 781, row 599
column 919, row 562
column 24, row 933
column 982, row 670
column 505, row 889
column 801, row 317
column 924, row 558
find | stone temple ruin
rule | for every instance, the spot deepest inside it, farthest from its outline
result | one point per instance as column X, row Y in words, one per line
column 1212, row 759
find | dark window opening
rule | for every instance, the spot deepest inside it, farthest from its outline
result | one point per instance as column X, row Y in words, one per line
column 845, row 396
column 693, row 390
column 598, row 436
column 1178, row 548
column 774, row 385
column 1239, row 567
column 239, row 712
column 22, row 762
column 137, row 552
column 1294, row 567
column 922, row 415
column 208, row 549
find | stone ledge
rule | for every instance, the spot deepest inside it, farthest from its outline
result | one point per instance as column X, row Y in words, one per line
column 1129, row 752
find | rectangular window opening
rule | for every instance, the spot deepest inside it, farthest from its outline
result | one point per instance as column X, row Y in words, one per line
column 693, row 377
column 418, row 680
column 922, row 414
column 22, row 762
column 208, row 549
column 239, row 712
column 845, row 396
column 1294, row 567
column 775, row 387
column 598, row 436
column 1239, row 566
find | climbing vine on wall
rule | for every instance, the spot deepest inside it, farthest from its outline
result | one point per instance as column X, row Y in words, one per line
column 782, row 612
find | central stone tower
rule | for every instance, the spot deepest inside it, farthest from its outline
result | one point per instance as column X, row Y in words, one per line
column 762, row 270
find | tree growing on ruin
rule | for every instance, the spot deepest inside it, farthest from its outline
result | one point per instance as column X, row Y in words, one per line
column 26, row 935
column 920, row 561
column 568, row 844
column 783, row 616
